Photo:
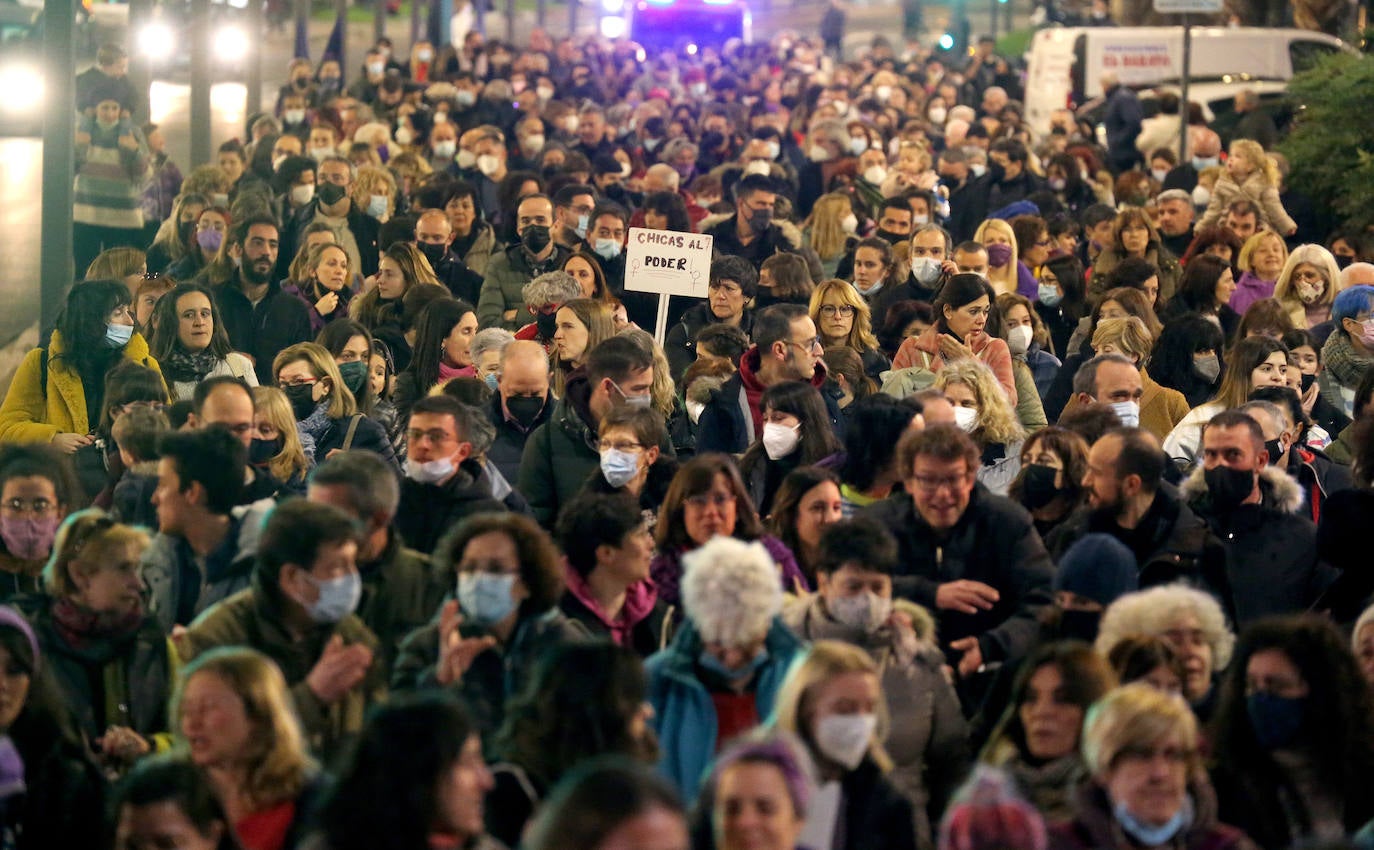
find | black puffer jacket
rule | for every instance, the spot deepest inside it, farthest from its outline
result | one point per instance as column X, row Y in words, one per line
column 427, row 511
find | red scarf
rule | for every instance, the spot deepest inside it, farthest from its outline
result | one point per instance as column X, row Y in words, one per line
column 78, row 626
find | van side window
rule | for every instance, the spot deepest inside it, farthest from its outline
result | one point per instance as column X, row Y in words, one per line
column 1305, row 54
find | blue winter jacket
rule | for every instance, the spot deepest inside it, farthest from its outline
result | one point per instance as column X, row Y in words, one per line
column 684, row 715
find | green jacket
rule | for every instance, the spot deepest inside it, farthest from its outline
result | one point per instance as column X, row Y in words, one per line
column 1029, row 411
column 559, row 457
column 401, row 593
column 506, row 275
column 255, row 618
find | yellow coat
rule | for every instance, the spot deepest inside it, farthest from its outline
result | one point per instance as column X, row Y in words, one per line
column 28, row 416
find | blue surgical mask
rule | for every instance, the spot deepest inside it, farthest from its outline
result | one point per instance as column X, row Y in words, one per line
column 1276, row 720
column 1201, row 162
column 486, row 597
column 338, row 598
column 491, row 381
column 376, row 206
column 118, row 336
column 1049, row 295
column 619, row 467
column 583, row 222
column 1153, row 836
column 714, row 665
column 607, row 249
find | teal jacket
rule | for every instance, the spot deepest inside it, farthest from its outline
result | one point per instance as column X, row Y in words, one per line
column 684, row 715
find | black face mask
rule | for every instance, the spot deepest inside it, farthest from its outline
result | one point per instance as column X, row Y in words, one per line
column 535, row 238
column 330, row 193
column 302, row 400
column 1037, row 486
column 1307, row 381
column 1229, row 487
column 1079, row 625
column 525, row 409
column 1343, row 260
column 892, row 238
column 547, row 323
column 262, row 451
column 433, row 252
column 188, row 233
column 1275, row 449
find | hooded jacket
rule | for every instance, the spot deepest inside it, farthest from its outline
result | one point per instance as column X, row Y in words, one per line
column 994, row 542
column 924, row 351
column 733, row 419
column 427, row 511
column 1271, row 547
column 927, row 738
column 643, row 625
column 685, row 717
column 179, row 587
column 30, row 415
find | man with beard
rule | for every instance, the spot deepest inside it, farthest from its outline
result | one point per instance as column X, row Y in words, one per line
column 1129, row 500
column 260, row 319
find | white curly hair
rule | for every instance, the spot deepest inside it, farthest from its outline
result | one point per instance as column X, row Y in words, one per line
column 731, row 591
column 1155, row 610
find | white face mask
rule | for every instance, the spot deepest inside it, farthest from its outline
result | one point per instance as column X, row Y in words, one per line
column 533, row 143
column 865, row 611
column 1019, row 339
column 845, row 738
column 445, row 149
column 857, row 146
column 404, row 135
column 773, row 150
column 1202, row 196
column 429, row 472
column 293, row 116
column 757, row 166
column 937, row 115
column 966, row 418
column 466, row 159
column 1128, row 412
column 875, row 174
column 779, row 440
column 302, row 195
column 849, row 223
column 488, row 164
column 818, row 153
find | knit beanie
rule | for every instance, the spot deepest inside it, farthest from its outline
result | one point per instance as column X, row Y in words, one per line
column 1098, row 567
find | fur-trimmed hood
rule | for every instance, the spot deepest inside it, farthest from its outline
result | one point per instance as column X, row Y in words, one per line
column 1279, row 490
column 791, row 232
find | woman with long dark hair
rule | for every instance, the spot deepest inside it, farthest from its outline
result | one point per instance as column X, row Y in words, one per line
column 1255, row 362
column 1206, row 288
column 1293, row 735
column 442, row 350
column 190, row 343
column 796, row 432
column 416, row 779
column 583, row 700
column 1062, row 300
column 1189, row 356
column 807, row 501
column 59, row 388
column 966, row 327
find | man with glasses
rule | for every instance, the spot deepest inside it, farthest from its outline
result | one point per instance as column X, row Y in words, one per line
column 572, row 207
column 562, row 453
column 443, row 483
column 974, row 559
column 786, row 347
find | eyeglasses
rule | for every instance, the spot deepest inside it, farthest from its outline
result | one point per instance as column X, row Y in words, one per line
column 845, row 310
column 704, row 500
column 809, row 345
column 936, row 483
column 620, row 446
column 37, row 507
column 434, row 435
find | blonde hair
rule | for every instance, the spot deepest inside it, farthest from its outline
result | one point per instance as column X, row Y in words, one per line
column 374, row 180
column 322, row 365
column 1253, row 243
column 997, row 422
column 1039, row 333
column 206, row 180
column 278, row 764
column 86, row 542
column 1133, row 716
column 860, row 336
column 1004, row 280
column 1129, row 336
column 1254, row 151
column 823, row 661
column 662, row 390
column 302, row 270
column 828, row 238
column 116, row 264
column 1320, row 259
column 274, row 406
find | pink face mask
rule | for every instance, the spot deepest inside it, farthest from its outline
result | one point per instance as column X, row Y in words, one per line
column 27, row 538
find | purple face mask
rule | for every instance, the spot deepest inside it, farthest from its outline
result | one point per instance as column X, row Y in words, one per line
column 209, row 239
column 999, row 255
column 28, row 538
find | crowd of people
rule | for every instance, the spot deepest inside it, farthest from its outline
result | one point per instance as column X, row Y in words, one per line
column 1004, row 492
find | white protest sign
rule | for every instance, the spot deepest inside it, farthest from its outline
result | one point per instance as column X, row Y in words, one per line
column 668, row 262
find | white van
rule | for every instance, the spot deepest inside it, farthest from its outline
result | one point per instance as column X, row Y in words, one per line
column 1066, row 63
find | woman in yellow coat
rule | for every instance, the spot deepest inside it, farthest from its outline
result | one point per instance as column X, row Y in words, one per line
column 57, row 392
